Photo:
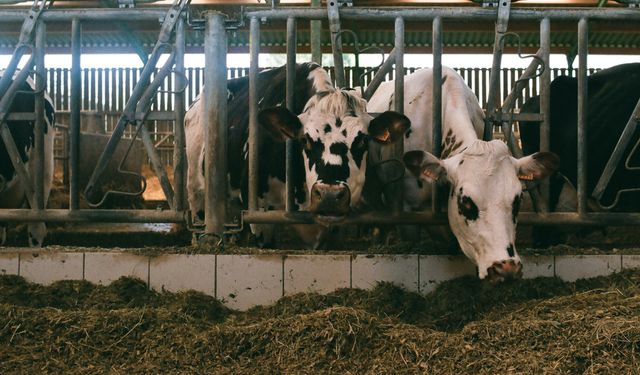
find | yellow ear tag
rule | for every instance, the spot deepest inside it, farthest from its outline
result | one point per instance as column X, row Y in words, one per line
column 429, row 175
column 384, row 136
column 526, row 177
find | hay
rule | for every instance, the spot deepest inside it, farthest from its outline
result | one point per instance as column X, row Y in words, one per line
column 531, row 326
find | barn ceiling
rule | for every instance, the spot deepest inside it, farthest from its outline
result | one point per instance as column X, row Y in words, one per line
column 470, row 37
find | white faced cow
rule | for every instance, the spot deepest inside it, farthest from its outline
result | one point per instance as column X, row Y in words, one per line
column 485, row 188
column 332, row 131
column 12, row 193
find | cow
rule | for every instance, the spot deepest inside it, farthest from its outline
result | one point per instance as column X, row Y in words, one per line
column 12, row 194
column 611, row 97
column 331, row 131
column 484, row 179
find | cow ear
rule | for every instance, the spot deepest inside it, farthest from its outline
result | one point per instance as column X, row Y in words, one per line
column 537, row 166
column 281, row 123
column 424, row 164
column 389, row 127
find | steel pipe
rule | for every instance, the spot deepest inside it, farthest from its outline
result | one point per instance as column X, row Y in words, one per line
column 179, row 147
column 395, row 191
column 582, row 114
column 303, row 217
column 315, row 39
column 463, row 14
column 74, row 131
column 494, row 79
column 333, row 13
column 91, row 216
column 40, row 125
column 98, row 14
column 290, row 103
column 545, row 100
column 618, row 153
column 254, row 128
column 436, row 105
column 215, row 123
column 5, row 133
column 380, row 75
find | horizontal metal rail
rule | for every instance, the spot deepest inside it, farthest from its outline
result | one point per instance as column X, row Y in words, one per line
column 556, row 218
column 100, row 14
column 465, row 14
column 92, row 216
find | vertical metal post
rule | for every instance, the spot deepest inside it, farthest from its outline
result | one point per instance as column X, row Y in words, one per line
column 179, row 164
column 290, row 98
column 39, row 108
column 254, row 47
column 504, row 8
column 315, row 39
column 215, row 123
column 336, row 41
column 74, row 130
column 583, row 43
column 398, row 148
column 545, row 98
column 436, row 116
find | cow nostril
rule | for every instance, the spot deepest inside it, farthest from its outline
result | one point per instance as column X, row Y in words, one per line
column 340, row 194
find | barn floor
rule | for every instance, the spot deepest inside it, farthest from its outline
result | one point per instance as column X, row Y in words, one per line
column 541, row 325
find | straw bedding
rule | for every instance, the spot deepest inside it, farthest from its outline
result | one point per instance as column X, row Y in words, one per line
column 465, row 326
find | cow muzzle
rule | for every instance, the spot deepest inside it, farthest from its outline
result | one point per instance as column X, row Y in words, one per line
column 330, row 200
column 507, row 269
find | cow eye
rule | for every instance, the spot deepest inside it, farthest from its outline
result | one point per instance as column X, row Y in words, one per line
column 467, row 208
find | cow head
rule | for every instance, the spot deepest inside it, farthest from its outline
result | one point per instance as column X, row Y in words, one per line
column 334, row 130
column 485, row 199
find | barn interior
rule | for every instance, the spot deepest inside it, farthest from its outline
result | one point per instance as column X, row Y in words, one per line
column 105, row 91
column 127, row 282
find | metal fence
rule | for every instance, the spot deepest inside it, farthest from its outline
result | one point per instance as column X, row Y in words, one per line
column 106, row 90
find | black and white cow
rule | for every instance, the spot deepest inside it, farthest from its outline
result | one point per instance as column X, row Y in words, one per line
column 611, row 97
column 12, row 193
column 331, row 128
column 484, row 178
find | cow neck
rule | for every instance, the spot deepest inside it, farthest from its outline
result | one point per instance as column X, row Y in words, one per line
column 457, row 134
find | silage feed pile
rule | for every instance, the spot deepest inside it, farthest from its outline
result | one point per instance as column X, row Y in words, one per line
column 464, row 327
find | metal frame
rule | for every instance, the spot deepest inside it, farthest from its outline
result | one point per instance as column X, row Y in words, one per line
column 137, row 112
column 495, row 114
column 214, row 100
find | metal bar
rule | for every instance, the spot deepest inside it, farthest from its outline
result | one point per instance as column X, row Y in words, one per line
column 333, row 13
column 215, row 123
column 128, row 115
column 179, row 156
column 5, row 133
column 316, row 37
column 395, row 151
column 436, row 107
column 463, row 14
column 290, row 102
column 254, row 46
column 92, row 216
column 98, row 14
column 8, row 72
column 498, row 46
column 381, row 75
column 582, row 114
column 40, row 125
column 555, row 218
column 618, row 152
column 74, row 131
column 545, row 100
